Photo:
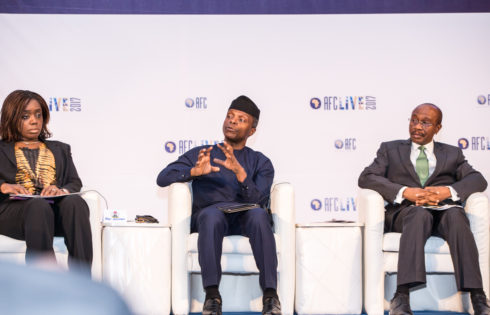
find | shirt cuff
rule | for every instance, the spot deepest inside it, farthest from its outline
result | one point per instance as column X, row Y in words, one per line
column 185, row 176
column 399, row 197
column 1, row 183
column 245, row 184
column 454, row 193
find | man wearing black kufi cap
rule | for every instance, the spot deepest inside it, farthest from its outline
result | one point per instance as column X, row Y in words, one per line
column 223, row 176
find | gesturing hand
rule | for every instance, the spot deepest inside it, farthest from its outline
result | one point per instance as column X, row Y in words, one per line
column 231, row 162
column 203, row 165
column 15, row 189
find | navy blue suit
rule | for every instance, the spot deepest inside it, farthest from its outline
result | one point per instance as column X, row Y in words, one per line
column 216, row 189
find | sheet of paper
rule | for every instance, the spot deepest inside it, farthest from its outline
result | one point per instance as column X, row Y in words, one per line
column 23, row 197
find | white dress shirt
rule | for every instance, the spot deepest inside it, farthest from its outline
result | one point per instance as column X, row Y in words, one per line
column 429, row 152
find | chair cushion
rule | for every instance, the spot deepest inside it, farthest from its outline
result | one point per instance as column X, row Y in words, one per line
column 237, row 254
column 10, row 245
column 230, row 263
column 434, row 263
column 434, row 245
column 234, row 244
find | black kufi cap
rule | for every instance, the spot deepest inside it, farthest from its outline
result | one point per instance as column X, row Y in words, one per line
column 246, row 105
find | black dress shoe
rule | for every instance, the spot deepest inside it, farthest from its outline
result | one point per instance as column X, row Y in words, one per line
column 271, row 306
column 480, row 304
column 212, row 306
column 400, row 304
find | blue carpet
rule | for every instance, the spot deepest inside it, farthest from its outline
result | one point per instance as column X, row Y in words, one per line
column 386, row 313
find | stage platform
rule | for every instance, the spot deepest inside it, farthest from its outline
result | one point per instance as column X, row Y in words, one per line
column 386, row 313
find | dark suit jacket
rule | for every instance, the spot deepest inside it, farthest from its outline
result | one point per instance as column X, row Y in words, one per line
column 392, row 169
column 66, row 173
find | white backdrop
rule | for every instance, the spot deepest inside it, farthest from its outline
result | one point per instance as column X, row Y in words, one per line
column 127, row 81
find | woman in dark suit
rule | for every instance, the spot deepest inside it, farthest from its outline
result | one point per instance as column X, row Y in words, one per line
column 32, row 165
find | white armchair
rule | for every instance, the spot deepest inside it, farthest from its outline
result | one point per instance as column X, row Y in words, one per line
column 239, row 284
column 15, row 250
column 381, row 258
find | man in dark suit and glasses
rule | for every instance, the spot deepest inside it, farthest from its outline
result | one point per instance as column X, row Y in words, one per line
column 425, row 183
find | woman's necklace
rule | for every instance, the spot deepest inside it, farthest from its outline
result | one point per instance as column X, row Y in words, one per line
column 30, row 142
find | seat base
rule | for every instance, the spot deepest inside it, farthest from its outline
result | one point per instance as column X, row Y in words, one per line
column 439, row 294
column 240, row 293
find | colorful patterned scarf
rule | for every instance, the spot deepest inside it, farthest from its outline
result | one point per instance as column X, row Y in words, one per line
column 44, row 173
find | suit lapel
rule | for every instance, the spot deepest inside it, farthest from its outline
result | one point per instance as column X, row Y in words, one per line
column 440, row 161
column 9, row 151
column 404, row 150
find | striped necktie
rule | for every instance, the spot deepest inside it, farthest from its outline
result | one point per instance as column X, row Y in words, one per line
column 422, row 166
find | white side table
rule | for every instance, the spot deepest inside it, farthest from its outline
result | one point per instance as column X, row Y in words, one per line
column 328, row 268
column 136, row 262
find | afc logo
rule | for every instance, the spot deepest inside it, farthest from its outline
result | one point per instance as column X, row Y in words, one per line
column 197, row 103
column 483, row 100
column 335, row 103
column 334, row 204
column 477, row 143
column 463, row 143
column 65, row 104
column 316, row 204
column 315, row 103
column 185, row 145
column 348, row 144
column 170, row 146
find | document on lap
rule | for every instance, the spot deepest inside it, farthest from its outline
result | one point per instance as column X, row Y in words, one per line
column 238, row 208
column 442, row 207
column 24, row 197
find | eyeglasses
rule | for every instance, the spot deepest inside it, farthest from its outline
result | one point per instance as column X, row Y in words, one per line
column 425, row 124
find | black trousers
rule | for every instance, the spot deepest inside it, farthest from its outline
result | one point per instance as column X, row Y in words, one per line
column 37, row 221
column 212, row 225
column 417, row 224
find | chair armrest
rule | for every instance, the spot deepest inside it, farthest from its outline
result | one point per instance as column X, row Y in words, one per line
column 179, row 214
column 282, row 207
column 477, row 212
column 371, row 208
column 93, row 201
column 284, row 217
column 371, row 211
column 180, row 206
